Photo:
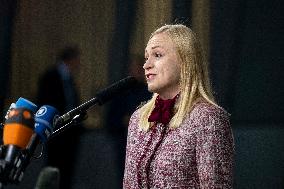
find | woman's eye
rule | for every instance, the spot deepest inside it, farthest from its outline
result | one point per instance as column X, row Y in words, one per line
column 158, row 55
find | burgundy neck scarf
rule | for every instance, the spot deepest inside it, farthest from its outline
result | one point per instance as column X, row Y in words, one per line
column 163, row 110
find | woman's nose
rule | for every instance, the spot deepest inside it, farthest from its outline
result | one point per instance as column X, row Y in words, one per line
column 147, row 65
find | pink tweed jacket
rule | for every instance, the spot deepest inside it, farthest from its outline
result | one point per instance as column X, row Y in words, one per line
column 197, row 154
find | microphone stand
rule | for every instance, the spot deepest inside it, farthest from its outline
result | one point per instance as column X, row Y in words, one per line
column 82, row 109
column 76, row 120
column 73, row 117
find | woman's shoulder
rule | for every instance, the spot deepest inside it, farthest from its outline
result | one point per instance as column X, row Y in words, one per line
column 204, row 108
column 134, row 119
column 135, row 114
column 206, row 114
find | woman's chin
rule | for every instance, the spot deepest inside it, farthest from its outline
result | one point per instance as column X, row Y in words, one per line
column 152, row 88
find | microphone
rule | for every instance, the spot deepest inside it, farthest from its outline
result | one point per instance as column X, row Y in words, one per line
column 48, row 178
column 18, row 127
column 101, row 97
column 17, row 131
column 116, row 89
column 24, row 103
column 21, row 103
column 45, row 118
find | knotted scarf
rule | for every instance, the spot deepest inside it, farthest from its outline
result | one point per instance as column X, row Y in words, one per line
column 163, row 111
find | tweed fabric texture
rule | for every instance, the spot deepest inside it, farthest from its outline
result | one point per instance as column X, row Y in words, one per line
column 197, row 154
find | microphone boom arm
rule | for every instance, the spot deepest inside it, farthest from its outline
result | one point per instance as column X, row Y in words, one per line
column 75, row 120
column 69, row 116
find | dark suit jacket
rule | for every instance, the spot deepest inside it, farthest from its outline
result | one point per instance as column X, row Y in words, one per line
column 51, row 90
column 62, row 150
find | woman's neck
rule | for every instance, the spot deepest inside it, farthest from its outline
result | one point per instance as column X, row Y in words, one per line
column 168, row 96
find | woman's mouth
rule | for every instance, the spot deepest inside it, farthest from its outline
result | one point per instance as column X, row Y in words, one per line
column 150, row 76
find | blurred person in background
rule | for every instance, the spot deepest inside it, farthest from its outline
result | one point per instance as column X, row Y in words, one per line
column 57, row 88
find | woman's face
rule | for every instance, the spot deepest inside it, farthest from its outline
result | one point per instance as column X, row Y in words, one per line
column 162, row 66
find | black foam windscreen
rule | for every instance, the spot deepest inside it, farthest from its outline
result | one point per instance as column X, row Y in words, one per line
column 116, row 89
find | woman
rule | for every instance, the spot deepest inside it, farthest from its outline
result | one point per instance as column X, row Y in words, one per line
column 180, row 138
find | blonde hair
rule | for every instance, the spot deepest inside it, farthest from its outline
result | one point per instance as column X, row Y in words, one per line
column 194, row 76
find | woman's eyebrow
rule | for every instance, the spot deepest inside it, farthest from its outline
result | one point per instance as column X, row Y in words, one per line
column 154, row 47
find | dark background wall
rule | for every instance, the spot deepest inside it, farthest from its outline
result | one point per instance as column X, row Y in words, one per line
column 7, row 11
column 246, row 60
column 246, row 63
